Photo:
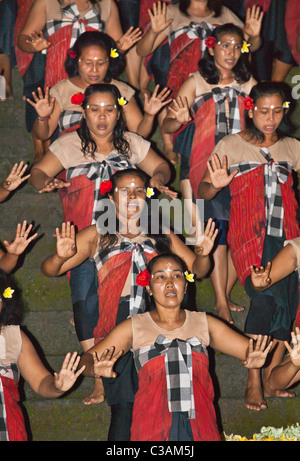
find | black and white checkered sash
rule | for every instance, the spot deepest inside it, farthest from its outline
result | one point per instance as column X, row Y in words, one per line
column 69, row 119
column 178, row 366
column 98, row 172
column 224, row 125
column 194, row 30
column 8, row 371
column 138, row 264
column 91, row 19
column 275, row 173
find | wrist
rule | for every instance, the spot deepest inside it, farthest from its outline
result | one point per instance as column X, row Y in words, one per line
column 43, row 119
column 215, row 188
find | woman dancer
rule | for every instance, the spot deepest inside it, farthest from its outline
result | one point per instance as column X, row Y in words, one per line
column 18, row 357
column 90, row 155
column 213, row 95
column 119, row 257
column 260, row 160
column 169, row 344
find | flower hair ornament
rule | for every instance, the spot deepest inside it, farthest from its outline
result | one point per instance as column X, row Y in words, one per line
column 77, row 99
column 72, row 54
column 143, row 278
column 248, row 103
column 122, row 101
column 286, row 104
column 210, row 42
column 105, row 186
column 149, row 192
column 245, row 47
column 114, row 53
column 189, row 277
column 8, row 292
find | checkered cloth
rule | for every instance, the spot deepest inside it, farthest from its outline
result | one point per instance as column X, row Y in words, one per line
column 178, row 365
column 223, row 125
column 69, row 119
column 9, row 371
column 98, row 172
column 194, row 30
column 138, row 264
column 91, row 19
column 274, row 174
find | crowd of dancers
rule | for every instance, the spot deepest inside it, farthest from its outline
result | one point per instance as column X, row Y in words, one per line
column 99, row 77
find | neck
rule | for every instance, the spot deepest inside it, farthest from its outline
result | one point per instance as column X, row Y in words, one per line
column 199, row 9
column 170, row 317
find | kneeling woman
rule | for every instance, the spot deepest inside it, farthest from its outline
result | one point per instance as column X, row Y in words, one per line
column 170, row 351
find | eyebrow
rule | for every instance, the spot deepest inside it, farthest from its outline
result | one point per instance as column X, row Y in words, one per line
column 167, row 270
column 102, row 104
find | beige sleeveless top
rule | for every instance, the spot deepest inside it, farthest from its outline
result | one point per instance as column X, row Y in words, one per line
column 145, row 330
column 53, row 10
column 10, row 344
column 296, row 246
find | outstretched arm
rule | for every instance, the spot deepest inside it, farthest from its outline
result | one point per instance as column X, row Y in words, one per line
column 287, row 372
column 215, row 178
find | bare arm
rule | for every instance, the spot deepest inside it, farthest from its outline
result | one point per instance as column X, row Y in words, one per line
column 119, row 340
column 48, row 111
column 39, row 378
column 43, row 174
column 27, row 39
column 71, row 250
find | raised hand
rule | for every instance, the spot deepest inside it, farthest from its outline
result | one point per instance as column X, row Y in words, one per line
column 67, row 376
column 104, row 365
column 157, row 100
column 38, row 41
column 155, row 181
column 219, row 172
column 253, row 21
column 52, row 184
column 66, row 241
column 21, row 240
column 295, row 350
column 256, row 357
column 130, row 38
column 180, row 109
column 44, row 105
column 15, row 177
column 158, row 17
column 260, row 277
column 206, row 242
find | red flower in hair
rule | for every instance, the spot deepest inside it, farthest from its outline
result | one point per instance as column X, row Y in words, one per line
column 143, row 279
column 72, row 54
column 105, row 186
column 248, row 103
column 210, row 42
column 77, row 99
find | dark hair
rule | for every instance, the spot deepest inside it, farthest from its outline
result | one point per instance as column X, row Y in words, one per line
column 214, row 5
column 11, row 311
column 267, row 89
column 150, row 301
column 88, row 145
column 94, row 38
column 161, row 240
column 207, row 67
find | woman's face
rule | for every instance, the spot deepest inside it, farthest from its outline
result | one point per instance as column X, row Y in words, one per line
column 93, row 64
column 168, row 283
column 129, row 196
column 101, row 114
column 227, row 51
column 267, row 113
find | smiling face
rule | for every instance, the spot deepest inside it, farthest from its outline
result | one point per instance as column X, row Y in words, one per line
column 168, row 283
column 227, row 51
column 129, row 196
column 101, row 114
column 93, row 64
column 267, row 113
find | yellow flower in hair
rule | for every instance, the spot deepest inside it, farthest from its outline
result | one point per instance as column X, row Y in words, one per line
column 7, row 293
column 286, row 104
column 189, row 277
column 114, row 53
column 245, row 47
column 122, row 101
column 149, row 192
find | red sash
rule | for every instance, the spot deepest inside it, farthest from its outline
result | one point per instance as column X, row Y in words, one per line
column 14, row 417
